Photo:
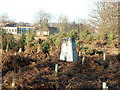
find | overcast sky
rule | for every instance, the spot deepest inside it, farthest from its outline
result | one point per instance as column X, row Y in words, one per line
column 25, row 10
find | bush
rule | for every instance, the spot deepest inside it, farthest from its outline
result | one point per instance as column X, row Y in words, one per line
column 84, row 34
column 87, row 50
column 55, row 40
column 29, row 41
column 73, row 34
column 22, row 42
column 111, row 36
column 45, row 46
column 8, row 41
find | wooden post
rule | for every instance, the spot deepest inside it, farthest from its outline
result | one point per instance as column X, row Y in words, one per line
column 56, row 69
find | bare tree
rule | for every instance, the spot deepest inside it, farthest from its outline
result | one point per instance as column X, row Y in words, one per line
column 82, row 25
column 4, row 19
column 63, row 23
column 42, row 19
column 105, row 16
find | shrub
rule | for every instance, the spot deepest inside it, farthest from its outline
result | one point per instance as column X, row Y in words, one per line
column 8, row 41
column 73, row 34
column 111, row 36
column 45, row 46
column 22, row 42
column 29, row 41
column 84, row 34
column 55, row 40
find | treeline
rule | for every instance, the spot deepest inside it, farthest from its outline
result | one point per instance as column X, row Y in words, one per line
column 103, row 25
column 52, row 44
column 103, row 19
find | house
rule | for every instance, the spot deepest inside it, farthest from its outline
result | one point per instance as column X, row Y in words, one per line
column 53, row 30
column 13, row 28
column 50, row 31
column 10, row 28
column 24, row 30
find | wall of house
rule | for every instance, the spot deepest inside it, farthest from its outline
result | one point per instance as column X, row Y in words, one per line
column 45, row 33
column 12, row 30
column 18, row 30
column 42, row 33
column 52, row 30
column 24, row 30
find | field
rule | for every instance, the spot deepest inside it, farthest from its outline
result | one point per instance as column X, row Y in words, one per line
column 31, row 57
column 36, row 70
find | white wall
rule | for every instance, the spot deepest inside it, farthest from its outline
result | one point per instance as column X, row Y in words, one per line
column 12, row 30
column 46, row 32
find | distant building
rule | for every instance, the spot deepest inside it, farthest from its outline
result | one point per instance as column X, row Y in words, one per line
column 50, row 31
column 24, row 30
column 53, row 30
column 43, row 33
column 14, row 29
column 10, row 28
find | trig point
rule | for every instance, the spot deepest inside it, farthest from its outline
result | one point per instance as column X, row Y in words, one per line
column 68, row 50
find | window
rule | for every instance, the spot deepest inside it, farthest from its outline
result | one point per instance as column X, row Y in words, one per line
column 18, row 28
column 18, row 31
column 30, row 29
column 9, row 30
column 27, row 28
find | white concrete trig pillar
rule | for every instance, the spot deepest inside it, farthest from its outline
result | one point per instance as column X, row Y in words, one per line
column 68, row 50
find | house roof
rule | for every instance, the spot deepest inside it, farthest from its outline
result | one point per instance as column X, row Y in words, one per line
column 10, row 25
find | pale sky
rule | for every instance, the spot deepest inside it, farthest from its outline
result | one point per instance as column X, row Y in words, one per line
column 25, row 10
